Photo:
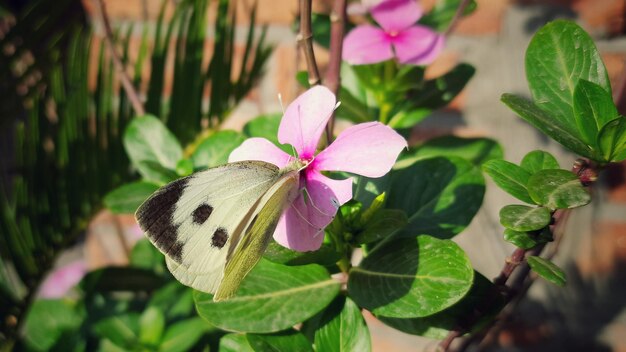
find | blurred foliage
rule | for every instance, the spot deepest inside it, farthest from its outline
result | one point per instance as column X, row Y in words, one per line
column 63, row 127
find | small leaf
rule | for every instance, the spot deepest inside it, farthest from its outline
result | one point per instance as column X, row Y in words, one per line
column 147, row 139
column 184, row 167
column 270, row 298
column 510, row 178
column 157, row 173
column 547, row 270
column 182, row 335
column 266, row 126
column 127, row 198
column 342, row 328
column 151, row 326
column 524, row 240
column 381, row 225
column 524, row 218
column 593, row 108
column 289, row 340
column 144, row 255
column 539, row 160
column 376, row 206
column 326, row 255
column 475, row 150
column 46, row 322
column 235, row 343
column 215, row 149
column 612, row 140
column 411, row 277
column 122, row 330
column 557, row 189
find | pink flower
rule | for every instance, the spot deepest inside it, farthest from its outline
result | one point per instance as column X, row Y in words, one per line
column 368, row 149
column 60, row 281
column 399, row 37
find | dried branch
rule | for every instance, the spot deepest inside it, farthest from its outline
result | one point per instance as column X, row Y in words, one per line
column 130, row 90
column 305, row 41
column 333, row 73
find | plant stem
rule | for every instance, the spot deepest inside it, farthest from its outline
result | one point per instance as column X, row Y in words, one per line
column 457, row 16
column 333, row 73
column 305, row 41
column 130, row 90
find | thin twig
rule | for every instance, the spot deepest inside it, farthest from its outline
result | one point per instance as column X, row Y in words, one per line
column 333, row 76
column 305, row 41
column 457, row 16
column 619, row 94
column 130, row 90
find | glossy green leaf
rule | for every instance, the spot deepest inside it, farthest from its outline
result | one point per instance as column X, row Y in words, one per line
column 547, row 123
column 558, row 56
column 122, row 330
column 342, row 328
column 326, row 255
column 178, row 309
column 235, row 343
column 381, row 225
column 289, row 340
column 593, row 108
column 215, row 149
column 524, row 218
column 151, row 326
column 527, row 240
column 612, row 140
column 547, row 270
column 539, row 160
column 483, row 297
column 557, row 189
column 270, row 298
column 475, row 150
column 127, row 198
column 47, row 321
column 184, row 167
column 154, row 172
column 411, row 277
column 440, row 17
column 510, row 178
column 146, row 139
column 439, row 195
column 182, row 335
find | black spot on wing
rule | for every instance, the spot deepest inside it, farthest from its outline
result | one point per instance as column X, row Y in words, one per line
column 155, row 217
column 220, row 236
column 201, row 214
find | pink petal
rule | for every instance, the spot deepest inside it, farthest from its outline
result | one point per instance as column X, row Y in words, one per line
column 260, row 149
column 396, row 15
column 418, row 45
column 366, row 45
column 305, row 120
column 341, row 189
column 301, row 227
column 369, row 149
column 60, row 281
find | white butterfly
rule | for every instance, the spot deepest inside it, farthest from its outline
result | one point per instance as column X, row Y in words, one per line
column 214, row 226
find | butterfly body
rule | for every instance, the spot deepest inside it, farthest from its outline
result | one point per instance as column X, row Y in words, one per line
column 213, row 226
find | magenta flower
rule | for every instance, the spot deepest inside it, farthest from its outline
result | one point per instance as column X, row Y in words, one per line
column 60, row 281
column 399, row 37
column 368, row 149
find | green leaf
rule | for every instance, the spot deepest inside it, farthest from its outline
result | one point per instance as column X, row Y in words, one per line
column 215, row 149
column 47, row 321
column 381, row 225
column 120, row 279
column 183, row 335
column 475, row 150
column 127, row 198
column 510, row 178
column 122, row 330
column 557, row 189
column 440, row 17
column 151, row 326
column 290, row 340
column 146, row 139
column 326, row 255
column 547, row 123
column 270, row 298
column 412, row 277
column 547, row 270
column 184, row 167
column 182, row 307
column 612, row 140
column 558, row 56
column 483, row 297
column 266, row 126
column 342, row 328
column 157, row 173
column 527, row 240
column 439, row 195
column 593, row 108
column 539, row 160
column 235, row 343
column 524, row 218
column 144, row 255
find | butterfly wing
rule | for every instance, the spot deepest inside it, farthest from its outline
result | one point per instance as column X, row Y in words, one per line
column 258, row 234
column 196, row 220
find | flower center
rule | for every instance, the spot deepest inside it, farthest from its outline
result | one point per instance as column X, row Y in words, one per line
column 393, row 34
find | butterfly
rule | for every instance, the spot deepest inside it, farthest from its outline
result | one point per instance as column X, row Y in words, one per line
column 213, row 226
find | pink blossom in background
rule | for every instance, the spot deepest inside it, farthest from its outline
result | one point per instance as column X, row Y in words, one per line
column 367, row 149
column 60, row 281
column 398, row 36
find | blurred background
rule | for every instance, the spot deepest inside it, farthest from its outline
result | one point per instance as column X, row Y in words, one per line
column 62, row 110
